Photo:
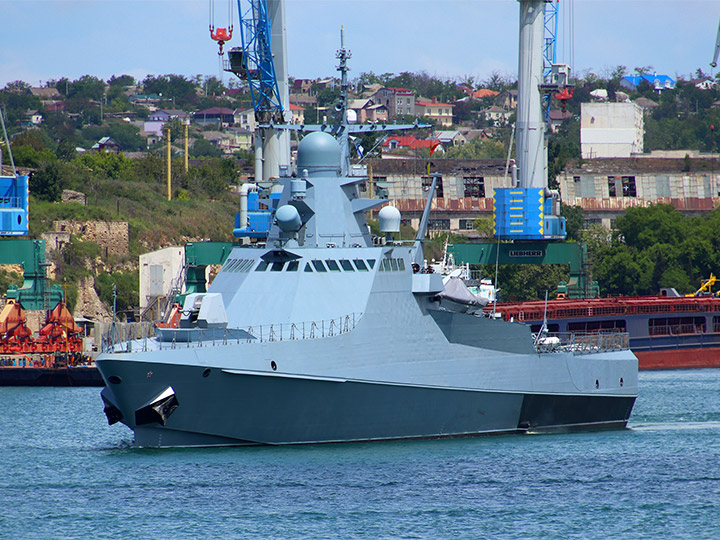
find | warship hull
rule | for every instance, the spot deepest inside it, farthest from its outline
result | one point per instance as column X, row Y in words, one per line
column 251, row 394
column 251, row 409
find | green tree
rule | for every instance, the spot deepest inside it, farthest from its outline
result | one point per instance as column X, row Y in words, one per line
column 87, row 87
column 574, row 221
column 47, row 183
column 204, row 148
column 126, row 284
column 477, row 149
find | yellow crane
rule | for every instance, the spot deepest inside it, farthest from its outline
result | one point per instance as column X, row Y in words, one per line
column 706, row 287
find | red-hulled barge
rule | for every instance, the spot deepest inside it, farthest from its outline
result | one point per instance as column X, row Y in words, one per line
column 665, row 332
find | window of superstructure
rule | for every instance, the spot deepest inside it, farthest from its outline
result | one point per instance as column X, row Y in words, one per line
column 346, row 265
column 394, row 264
column 308, row 268
column 277, row 266
column 332, row 265
column 246, row 266
column 371, row 263
column 235, row 265
column 319, row 266
column 230, row 265
column 360, row 265
column 401, row 264
column 292, row 266
column 262, row 266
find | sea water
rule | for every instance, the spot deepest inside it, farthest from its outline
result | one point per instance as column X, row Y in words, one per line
column 64, row 473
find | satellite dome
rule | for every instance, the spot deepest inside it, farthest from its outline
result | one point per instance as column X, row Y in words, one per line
column 288, row 218
column 319, row 152
column 389, row 218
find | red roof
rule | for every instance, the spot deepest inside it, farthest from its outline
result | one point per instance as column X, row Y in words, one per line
column 294, row 107
column 408, row 141
column 431, row 103
column 484, row 92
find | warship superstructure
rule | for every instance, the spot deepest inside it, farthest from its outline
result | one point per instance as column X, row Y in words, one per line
column 321, row 336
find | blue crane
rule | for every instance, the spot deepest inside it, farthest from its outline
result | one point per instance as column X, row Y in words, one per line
column 253, row 62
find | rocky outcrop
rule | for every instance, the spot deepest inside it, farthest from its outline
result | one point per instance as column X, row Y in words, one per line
column 88, row 304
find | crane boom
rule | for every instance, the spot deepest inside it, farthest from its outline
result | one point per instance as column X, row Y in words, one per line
column 717, row 49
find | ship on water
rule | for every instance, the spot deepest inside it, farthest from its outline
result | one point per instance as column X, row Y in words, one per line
column 321, row 336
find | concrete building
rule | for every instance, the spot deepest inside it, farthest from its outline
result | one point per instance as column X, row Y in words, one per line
column 605, row 188
column 611, row 130
column 398, row 101
column 442, row 113
column 463, row 195
column 160, row 271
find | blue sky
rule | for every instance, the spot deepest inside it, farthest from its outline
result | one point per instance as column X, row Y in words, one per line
column 45, row 39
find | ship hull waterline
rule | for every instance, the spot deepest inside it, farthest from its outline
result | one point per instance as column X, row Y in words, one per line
column 217, row 407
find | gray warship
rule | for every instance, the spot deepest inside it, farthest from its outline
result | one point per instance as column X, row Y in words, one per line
column 321, row 336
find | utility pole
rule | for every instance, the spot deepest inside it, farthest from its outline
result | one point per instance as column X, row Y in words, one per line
column 187, row 123
column 169, row 164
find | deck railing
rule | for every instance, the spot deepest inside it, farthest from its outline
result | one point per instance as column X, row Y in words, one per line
column 582, row 343
column 131, row 341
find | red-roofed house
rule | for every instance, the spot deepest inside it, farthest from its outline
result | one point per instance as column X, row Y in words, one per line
column 407, row 142
column 442, row 113
column 298, row 114
column 483, row 93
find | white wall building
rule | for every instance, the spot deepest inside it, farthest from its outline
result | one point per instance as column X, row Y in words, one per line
column 158, row 269
column 611, row 130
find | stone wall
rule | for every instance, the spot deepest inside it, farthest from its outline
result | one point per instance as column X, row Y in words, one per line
column 111, row 236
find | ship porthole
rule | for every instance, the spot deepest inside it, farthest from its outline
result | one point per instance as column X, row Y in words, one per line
column 273, row 365
column 206, row 373
column 622, row 383
column 114, row 379
column 597, row 383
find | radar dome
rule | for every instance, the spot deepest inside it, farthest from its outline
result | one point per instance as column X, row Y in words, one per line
column 319, row 152
column 288, row 218
column 389, row 218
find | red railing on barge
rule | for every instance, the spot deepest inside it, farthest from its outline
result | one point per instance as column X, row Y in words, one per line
column 604, row 307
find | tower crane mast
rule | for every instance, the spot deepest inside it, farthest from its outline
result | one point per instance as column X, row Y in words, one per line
column 257, row 60
column 717, row 49
column 261, row 62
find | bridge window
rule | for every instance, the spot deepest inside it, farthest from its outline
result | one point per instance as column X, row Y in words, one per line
column 371, row 263
column 262, row 266
column 277, row 266
column 319, row 266
column 360, row 265
column 292, row 266
column 308, row 268
column 346, row 265
column 246, row 265
column 332, row 265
